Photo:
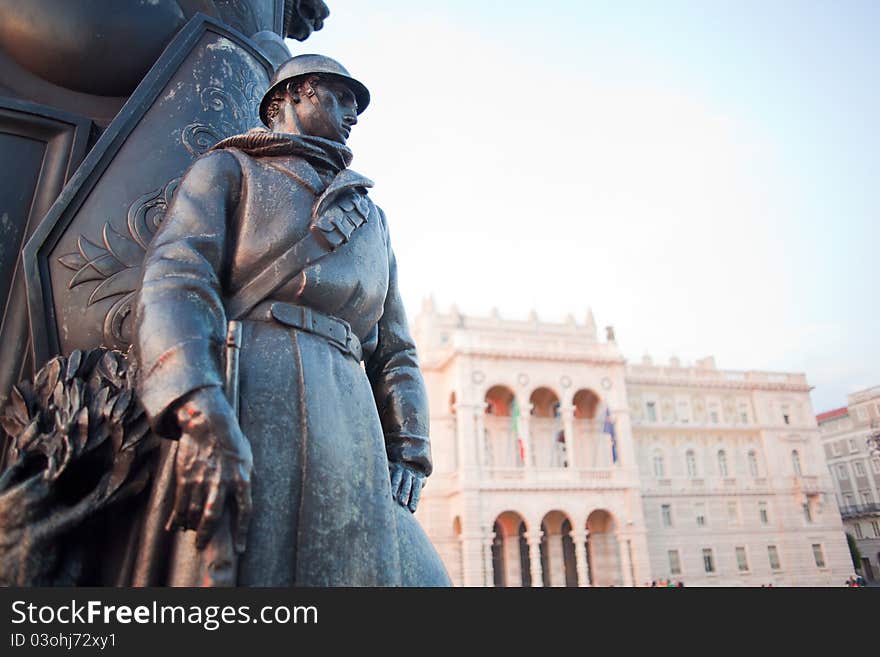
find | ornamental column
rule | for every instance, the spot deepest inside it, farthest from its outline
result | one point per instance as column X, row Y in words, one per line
column 581, row 558
column 534, row 540
column 488, row 573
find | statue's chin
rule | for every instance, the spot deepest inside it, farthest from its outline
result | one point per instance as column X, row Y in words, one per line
column 93, row 46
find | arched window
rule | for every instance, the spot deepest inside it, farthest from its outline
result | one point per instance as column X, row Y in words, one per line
column 722, row 462
column 691, row 462
column 796, row 462
column 753, row 463
column 659, row 467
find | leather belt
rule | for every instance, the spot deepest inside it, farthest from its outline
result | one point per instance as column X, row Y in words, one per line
column 336, row 331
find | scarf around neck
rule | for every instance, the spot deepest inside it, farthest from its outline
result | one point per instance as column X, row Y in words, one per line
column 319, row 152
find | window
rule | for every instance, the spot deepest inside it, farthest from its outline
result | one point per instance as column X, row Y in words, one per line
column 708, row 560
column 796, row 462
column 875, row 526
column 859, row 468
column 875, row 464
column 835, row 448
column 666, row 514
column 722, row 463
column 744, row 413
column 862, row 413
column 773, row 555
column 652, row 411
column 866, row 497
column 742, row 562
column 818, row 555
column 808, row 512
column 691, row 462
column 732, row 513
column 762, row 512
column 674, row 562
column 841, row 471
column 852, row 445
column 753, row 464
column 659, row 469
column 848, row 499
column 858, row 529
column 701, row 515
column 713, row 415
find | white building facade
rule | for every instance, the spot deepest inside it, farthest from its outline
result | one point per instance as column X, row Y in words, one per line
column 854, row 466
column 558, row 464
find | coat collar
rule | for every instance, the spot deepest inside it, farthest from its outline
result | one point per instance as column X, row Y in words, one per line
column 323, row 154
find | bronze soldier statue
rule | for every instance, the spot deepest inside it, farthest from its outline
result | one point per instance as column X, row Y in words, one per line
column 272, row 235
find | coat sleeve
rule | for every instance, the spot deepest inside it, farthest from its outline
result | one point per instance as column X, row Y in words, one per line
column 398, row 386
column 180, row 322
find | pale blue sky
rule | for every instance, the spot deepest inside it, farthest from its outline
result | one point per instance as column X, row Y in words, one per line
column 704, row 175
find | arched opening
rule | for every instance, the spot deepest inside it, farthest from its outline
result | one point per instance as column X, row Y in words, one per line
column 796, row 462
column 586, row 404
column 503, row 442
column 589, row 449
column 510, row 551
column 558, row 566
column 546, row 430
column 603, row 552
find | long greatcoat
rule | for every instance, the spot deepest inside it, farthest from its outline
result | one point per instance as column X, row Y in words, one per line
column 321, row 425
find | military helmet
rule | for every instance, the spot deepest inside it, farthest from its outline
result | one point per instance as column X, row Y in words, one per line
column 313, row 65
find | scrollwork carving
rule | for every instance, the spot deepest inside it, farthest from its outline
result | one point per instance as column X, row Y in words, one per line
column 231, row 108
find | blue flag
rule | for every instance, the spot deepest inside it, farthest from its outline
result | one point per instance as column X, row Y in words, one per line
column 608, row 428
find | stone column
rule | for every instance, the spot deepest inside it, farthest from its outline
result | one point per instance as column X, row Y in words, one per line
column 568, row 426
column 583, row 561
column 534, row 540
column 488, row 574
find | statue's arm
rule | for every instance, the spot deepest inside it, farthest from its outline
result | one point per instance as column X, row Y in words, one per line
column 399, row 389
column 180, row 323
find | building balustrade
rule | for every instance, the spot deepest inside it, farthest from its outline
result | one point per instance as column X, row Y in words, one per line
column 543, row 443
column 858, row 510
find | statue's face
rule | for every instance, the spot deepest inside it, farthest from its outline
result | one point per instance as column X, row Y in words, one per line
column 335, row 116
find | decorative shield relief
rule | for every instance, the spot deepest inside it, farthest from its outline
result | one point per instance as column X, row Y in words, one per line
column 84, row 261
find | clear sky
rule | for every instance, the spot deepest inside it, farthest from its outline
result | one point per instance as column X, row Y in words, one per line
column 704, row 175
